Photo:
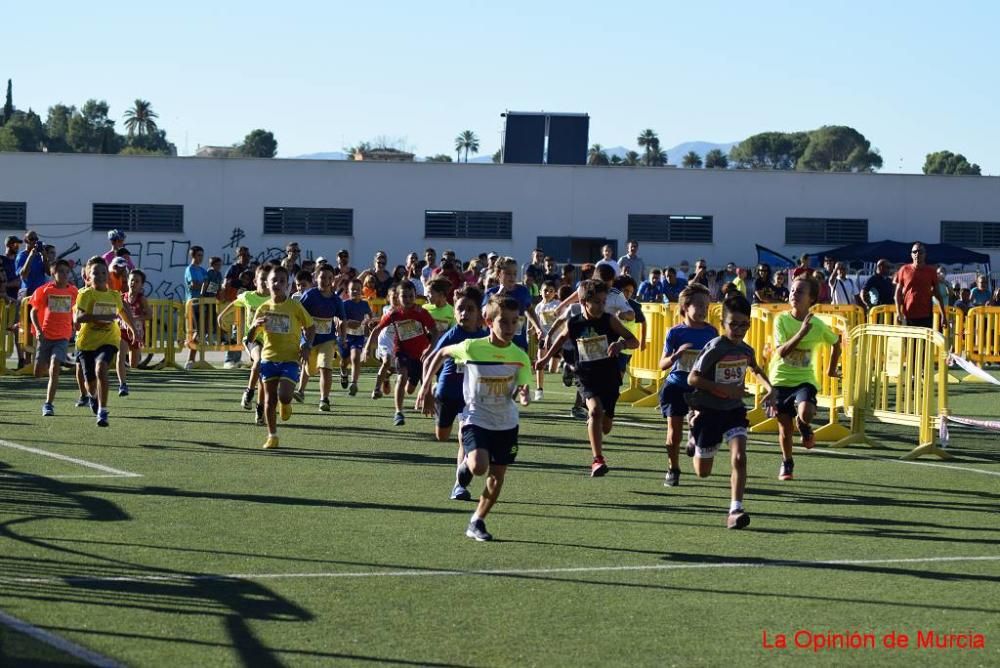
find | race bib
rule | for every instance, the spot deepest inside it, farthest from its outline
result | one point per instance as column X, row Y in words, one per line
column 409, row 329
column 799, row 358
column 592, row 348
column 549, row 318
column 494, row 390
column 355, row 331
column 60, row 303
column 104, row 308
column 687, row 359
column 323, row 325
column 212, row 288
column 730, row 373
column 278, row 323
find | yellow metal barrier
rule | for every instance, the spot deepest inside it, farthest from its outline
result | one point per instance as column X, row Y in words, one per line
column 982, row 335
column 854, row 315
column 895, row 377
column 161, row 331
column 830, row 394
column 8, row 316
column 645, row 365
column 882, row 315
column 203, row 331
column 760, row 337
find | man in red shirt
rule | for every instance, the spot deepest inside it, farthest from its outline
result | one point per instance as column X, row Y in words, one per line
column 916, row 285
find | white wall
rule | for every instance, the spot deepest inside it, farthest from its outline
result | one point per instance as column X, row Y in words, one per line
column 389, row 200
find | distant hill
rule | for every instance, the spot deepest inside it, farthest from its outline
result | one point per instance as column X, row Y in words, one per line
column 331, row 155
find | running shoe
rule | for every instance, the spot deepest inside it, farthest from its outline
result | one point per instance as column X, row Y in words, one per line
column 673, row 478
column 463, row 475
column 123, row 390
column 188, row 365
column 102, row 418
column 230, row 365
column 271, row 443
column 247, row 401
column 539, row 395
column 299, row 396
column 459, row 493
column 343, row 379
column 84, row 400
column 477, row 530
column 386, row 387
column 93, row 405
column 376, row 393
column 787, row 467
column 598, row 467
column 48, row 410
column 353, row 390
column 285, row 410
column 567, row 375
column 808, row 435
column 260, row 415
column 324, row 405
column 692, row 444
column 579, row 412
column 738, row 519
column 398, row 420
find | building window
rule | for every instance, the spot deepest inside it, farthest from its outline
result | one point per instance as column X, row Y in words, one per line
column 138, row 217
column 670, row 229
column 825, row 231
column 468, row 224
column 13, row 215
column 974, row 234
column 297, row 220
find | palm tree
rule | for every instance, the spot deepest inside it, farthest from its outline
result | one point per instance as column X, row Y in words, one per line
column 139, row 119
column 716, row 159
column 615, row 160
column 467, row 141
column 655, row 157
column 597, row 155
column 631, row 159
column 649, row 140
column 692, row 160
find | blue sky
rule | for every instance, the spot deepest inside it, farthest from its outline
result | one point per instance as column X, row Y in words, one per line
column 913, row 77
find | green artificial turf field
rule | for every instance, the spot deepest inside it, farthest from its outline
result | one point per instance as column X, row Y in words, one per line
column 343, row 546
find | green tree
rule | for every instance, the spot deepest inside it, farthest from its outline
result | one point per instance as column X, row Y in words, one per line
column 631, row 159
column 946, row 162
column 716, row 159
column 8, row 105
column 23, row 132
column 650, row 142
column 597, row 155
column 150, row 144
column 616, row 160
column 57, row 128
column 467, row 141
column 139, row 119
column 91, row 131
column 440, row 157
column 362, row 149
column 838, row 148
column 259, row 144
column 498, row 156
column 692, row 160
column 770, row 150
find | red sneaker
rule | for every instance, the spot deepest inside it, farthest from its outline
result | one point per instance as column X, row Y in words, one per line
column 598, row 467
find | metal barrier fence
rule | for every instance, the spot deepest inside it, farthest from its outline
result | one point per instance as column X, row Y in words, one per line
column 8, row 316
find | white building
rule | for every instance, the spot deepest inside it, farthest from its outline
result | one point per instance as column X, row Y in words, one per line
column 569, row 211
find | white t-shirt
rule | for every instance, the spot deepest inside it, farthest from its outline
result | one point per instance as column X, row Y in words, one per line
column 843, row 291
column 617, row 304
column 611, row 263
column 547, row 313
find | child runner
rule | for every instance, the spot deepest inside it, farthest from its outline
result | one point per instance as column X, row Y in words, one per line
column 52, row 315
column 717, row 377
column 131, row 343
column 357, row 315
column 448, row 395
column 213, row 279
column 415, row 333
column 494, row 371
column 327, row 311
column 97, row 342
column 303, row 282
column 437, row 304
column 288, row 331
column 385, row 351
column 547, row 311
column 599, row 338
column 797, row 334
column 506, row 274
column 681, row 348
column 250, row 301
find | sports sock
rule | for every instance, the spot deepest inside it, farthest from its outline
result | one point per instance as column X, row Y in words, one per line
column 735, row 505
column 475, row 516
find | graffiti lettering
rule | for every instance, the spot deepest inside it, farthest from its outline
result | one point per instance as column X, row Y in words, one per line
column 235, row 238
column 179, row 251
column 165, row 290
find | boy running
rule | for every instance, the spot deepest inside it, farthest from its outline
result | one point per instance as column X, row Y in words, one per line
column 131, row 343
column 599, row 338
column 797, row 334
column 52, row 316
column 717, row 377
column 547, row 312
column 681, row 348
column 494, row 371
column 250, row 301
column 327, row 311
column 357, row 315
column 437, row 304
column 287, row 330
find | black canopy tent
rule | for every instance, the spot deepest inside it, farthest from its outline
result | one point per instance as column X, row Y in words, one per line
column 898, row 252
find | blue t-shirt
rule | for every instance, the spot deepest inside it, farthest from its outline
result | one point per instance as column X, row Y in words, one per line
column 650, row 292
column 522, row 296
column 194, row 274
column 678, row 335
column 356, row 310
column 451, row 380
column 36, row 273
column 673, row 292
column 10, row 274
column 323, row 310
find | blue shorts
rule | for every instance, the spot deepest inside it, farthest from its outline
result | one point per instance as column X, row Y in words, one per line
column 279, row 371
column 789, row 398
column 447, row 411
column 350, row 343
column 502, row 445
column 414, row 368
column 673, row 400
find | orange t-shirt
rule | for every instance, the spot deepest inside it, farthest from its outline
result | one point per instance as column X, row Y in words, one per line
column 118, row 284
column 55, row 310
column 919, row 286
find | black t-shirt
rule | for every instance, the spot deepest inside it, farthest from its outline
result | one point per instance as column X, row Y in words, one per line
column 591, row 338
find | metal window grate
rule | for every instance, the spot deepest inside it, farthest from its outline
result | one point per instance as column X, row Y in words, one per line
column 670, row 229
column 468, row 224
column 813, row 231
column 139, row 217
column 974, row 234
column 13, row 215
column 308, row 221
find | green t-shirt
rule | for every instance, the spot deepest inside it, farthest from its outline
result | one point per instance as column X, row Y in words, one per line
column 250, row 301
column 444, row 316
column 492, row 373
column 799, row 366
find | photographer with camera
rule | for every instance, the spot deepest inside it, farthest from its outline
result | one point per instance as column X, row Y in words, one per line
column 30, row 264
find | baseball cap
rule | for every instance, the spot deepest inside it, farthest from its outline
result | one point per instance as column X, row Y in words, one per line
column 11, row 239
column 492, row 254
column 342, row 252
column 119, row 262
column 321, row 260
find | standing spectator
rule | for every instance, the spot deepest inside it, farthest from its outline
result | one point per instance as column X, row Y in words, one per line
column 682, row 270
column 232, row 278
column 608, row 258
column 568, row 277
column 672, row 286
column 550, row 272
column 843, row 291
column 781, row 287
column 700, row 273
column 30, row 264
column 916, row 285
column 213, row 278
column 651, row 290
column 980, row 295
column 944, row 293
column 291, row 260
column 763, row 288
column 730, row 273
column 803, row 268
column 447, row 270
column 378, row 272
column 117, row 239
column 194, row 278
column 430, row 257
column 825, row 296
column 741, row 281
column 537, row 263
column 631, row 263
column 343, row 272
column 878, row 290
column 11, row 245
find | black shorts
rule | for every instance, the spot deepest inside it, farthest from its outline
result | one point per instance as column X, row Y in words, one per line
column 502, row 445
column 607, row 394
column 89, row 359
column 414, row 368
column 673, row 400
column 920, row 322
column 568, row 355
column 789, row 398
column 447, row 411
column 710, row 427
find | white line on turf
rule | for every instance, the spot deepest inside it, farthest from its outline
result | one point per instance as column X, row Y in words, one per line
column 60, row 643
column 72, row 460
column 182, row 577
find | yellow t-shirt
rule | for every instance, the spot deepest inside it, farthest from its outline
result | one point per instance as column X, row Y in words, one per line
column 283, row 330
column 93, row 335
column 444, row 316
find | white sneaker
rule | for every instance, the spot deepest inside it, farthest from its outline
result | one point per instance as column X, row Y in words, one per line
column 539, row 395
column 229, row 365
column 188, row 365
